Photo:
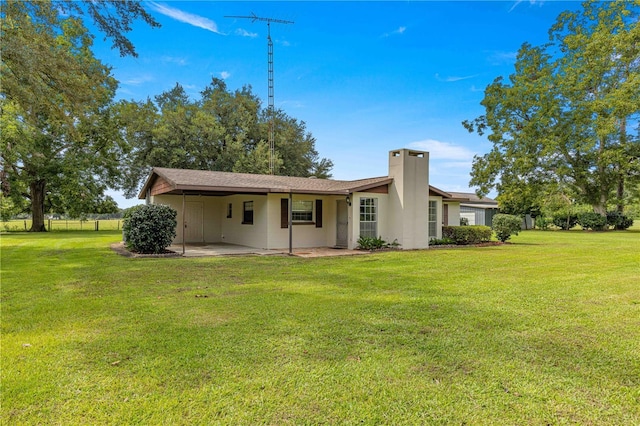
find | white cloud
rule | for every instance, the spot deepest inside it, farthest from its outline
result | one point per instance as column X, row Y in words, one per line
column 137, row 80
column 452, row 79
column 531, row 2
column 174, row 60
column 398, row 31
column 244, row 33
column 444, row 151
column 502, row 58
column 291, row 104
column 225, row 74
column 186, row 17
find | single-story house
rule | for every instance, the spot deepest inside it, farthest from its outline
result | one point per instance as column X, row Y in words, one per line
column 276, row 212
column 477, row 210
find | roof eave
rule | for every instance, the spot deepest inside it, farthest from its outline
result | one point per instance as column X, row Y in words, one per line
column 151, row 179
column 370, row 185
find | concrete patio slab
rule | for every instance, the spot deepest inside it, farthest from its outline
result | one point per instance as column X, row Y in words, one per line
column 226, row 249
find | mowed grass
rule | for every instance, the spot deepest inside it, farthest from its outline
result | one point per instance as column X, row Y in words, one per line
column 545, row 330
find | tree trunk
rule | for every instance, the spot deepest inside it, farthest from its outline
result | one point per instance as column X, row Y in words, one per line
column 601, row 208
column 620, row 189
column 620, row 194
column 37, row 205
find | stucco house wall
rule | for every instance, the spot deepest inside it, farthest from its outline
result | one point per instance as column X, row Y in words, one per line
column 453, row 213
column 211, row 230
column 383, row 228
column 304, row 234
column 234, row 231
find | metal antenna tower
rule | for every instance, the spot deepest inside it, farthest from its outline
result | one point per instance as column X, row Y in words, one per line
column 271, row 108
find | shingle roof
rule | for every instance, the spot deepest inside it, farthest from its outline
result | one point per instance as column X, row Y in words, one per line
column 473, row 198
column 182, row 180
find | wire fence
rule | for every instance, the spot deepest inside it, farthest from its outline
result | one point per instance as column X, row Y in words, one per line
column 18, row 225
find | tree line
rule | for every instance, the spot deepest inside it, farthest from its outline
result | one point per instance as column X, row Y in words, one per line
column 565, row 125
column 64, row 140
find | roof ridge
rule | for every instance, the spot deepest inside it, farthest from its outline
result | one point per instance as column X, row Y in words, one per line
column 273, row 176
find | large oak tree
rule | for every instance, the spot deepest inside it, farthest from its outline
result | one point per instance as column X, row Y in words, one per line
column 59, row 140
column 566, row 115
column 222, row 130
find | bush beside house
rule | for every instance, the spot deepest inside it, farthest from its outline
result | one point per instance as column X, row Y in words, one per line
column 462, row 235
column 149, row 228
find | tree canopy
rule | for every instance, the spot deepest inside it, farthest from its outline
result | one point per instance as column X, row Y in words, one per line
column 64, row 141
column 566, row 116
column 59, row 141
column 222, row 130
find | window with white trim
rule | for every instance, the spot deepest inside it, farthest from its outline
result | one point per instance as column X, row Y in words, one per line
column 369, row 217
column 433, row 219
column 302, row 211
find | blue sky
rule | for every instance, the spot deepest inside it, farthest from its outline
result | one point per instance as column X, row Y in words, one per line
column 365, row 77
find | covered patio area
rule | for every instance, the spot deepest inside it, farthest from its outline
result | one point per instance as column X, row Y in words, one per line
column 226, row 249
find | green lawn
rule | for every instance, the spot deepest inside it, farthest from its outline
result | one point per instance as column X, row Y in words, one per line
column 542, row 331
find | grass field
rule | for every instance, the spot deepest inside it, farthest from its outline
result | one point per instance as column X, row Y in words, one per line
column 542, row 331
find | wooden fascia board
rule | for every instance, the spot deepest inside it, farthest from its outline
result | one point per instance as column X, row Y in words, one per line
column 310, row 191
column 151, row 180
column 438, row 192
column 148, row 184
column 370, row 185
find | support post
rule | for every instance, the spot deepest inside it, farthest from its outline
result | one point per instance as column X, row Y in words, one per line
column 184, row 223
column 290, row 223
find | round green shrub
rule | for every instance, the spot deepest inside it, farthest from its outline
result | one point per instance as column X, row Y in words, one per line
column 543, row 222
column 505, row 225
column 565, row 221
column 462, row 235
column 619, row 220
column 149, row 228
column 593, row 221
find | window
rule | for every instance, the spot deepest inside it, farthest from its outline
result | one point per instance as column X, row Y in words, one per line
column 302, row 211
column 247, row 213
column 369, row 217
column 433, row 219
column 229, row 210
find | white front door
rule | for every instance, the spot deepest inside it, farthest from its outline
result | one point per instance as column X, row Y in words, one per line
column 342, row 220
column 193, row 222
